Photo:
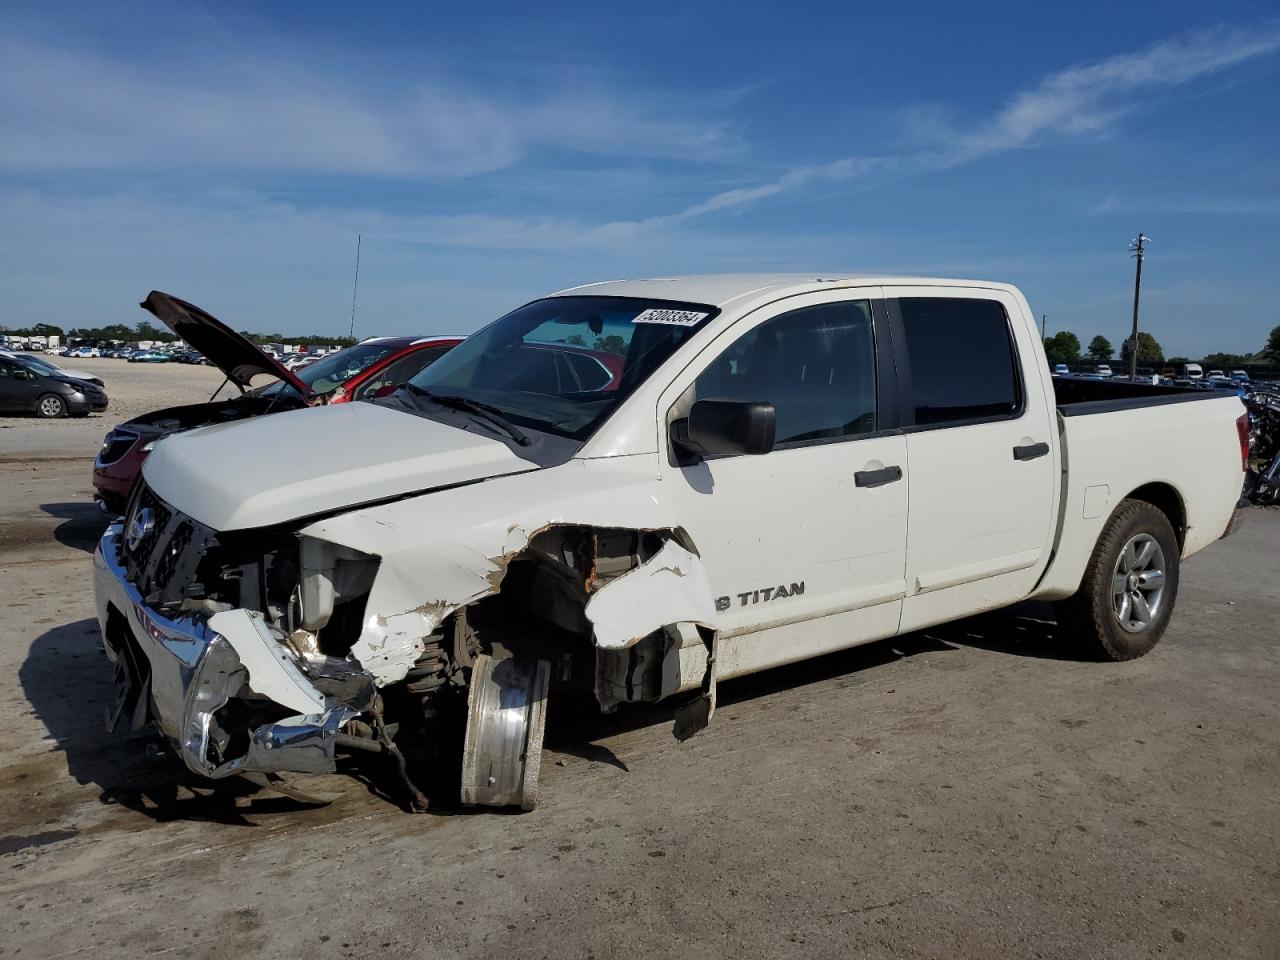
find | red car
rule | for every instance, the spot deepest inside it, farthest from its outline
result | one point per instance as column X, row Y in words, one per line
column 370, row 369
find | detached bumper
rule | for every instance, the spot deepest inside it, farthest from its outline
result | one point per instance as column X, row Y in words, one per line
column 229, row 696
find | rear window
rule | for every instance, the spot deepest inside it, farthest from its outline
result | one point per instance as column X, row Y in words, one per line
column 964, row 367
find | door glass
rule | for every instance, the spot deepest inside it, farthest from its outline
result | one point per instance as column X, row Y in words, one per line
column 963, row 363
column 400, row 372
column 816, row 365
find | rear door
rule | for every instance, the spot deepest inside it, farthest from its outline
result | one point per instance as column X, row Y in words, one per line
column 804, row 546
column 980, row 449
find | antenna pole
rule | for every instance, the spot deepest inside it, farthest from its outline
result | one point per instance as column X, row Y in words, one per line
column 355, row 287
column 1139, row 247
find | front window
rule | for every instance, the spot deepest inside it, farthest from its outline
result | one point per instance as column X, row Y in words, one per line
column 816, row 365
column 563, row 364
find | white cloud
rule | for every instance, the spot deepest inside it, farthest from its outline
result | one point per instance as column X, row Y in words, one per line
column 1079, row 100
column 66, row 106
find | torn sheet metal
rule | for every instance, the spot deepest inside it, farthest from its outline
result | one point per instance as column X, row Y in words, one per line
column 272, row 673
column 670, row 587
column 389, row 646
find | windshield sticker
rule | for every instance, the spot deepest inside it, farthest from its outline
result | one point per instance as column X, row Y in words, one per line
column 676, row 318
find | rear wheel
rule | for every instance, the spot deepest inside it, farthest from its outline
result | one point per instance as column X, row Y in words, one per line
column 51, row 406
column 1129, row 587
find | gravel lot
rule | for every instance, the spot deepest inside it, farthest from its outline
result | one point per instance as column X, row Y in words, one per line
column 970, row 792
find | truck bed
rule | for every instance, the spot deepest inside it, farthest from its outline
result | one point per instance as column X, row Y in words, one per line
column 1176, row 444
column 1078, row 397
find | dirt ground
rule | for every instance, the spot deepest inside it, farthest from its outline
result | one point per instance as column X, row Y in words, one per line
column 970, row 792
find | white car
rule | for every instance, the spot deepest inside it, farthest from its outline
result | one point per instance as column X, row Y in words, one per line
column 1103, row 370
column 785, row 466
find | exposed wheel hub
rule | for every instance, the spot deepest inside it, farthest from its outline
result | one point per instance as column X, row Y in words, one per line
column 506, row 716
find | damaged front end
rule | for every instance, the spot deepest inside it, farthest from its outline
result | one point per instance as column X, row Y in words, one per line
column 232, row 644
column 225, row 689
column 268, row 651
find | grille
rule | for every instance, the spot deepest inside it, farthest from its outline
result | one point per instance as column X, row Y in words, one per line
column 162, row 548
column 117, row 444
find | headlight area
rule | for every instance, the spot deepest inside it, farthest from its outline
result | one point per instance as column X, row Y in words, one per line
column 235, row 645
column 333, row 584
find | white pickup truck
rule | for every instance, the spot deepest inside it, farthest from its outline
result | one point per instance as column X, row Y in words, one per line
column 637, row 489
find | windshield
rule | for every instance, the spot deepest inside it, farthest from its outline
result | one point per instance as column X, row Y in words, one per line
column 563, row 364
column 332, row 371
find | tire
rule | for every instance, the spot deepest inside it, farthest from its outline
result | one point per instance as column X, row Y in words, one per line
column 51, row 407
column 1122, row 607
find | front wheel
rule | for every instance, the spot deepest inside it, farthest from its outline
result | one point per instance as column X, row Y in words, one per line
column 1126, row 597
column 51, row 406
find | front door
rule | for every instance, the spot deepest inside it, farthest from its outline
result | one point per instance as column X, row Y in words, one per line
column 804, row 546
column 980, row 442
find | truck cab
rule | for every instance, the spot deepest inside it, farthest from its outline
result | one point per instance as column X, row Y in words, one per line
column 780, row 467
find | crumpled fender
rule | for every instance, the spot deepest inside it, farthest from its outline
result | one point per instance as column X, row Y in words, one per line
column 669, row 587
column 446, row 549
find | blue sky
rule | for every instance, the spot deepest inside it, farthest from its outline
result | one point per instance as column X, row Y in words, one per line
column 491, row 153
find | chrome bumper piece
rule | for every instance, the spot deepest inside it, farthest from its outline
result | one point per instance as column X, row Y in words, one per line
column 178, row 673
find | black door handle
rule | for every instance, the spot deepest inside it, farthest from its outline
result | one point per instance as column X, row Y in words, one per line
column 1031, row 451
column 877, row 478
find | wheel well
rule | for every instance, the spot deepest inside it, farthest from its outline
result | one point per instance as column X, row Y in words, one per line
column 1167, row 500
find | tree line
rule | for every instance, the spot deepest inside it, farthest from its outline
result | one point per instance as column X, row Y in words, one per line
column 1064, row 347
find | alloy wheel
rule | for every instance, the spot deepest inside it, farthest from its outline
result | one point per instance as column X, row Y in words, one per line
column 1138, row 583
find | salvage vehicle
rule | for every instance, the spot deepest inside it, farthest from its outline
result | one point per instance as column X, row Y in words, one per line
column 365, row 370
column 30, row 386
column 787, row 466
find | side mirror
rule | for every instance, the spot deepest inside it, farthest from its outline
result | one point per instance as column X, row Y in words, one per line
column 717, row 428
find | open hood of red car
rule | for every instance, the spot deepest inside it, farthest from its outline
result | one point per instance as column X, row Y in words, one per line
column 231, row 353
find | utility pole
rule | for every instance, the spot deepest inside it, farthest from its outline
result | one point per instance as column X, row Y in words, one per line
column 355, row 286
column 1044, row 320
column 1138, row 247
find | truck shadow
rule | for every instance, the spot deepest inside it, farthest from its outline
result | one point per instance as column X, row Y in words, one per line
column 67, row 679
column 83, row 524
column 1027, row 630
column 68, row 682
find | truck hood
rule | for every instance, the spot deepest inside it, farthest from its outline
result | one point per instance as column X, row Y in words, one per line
column 231, row 353
column 270, row 470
